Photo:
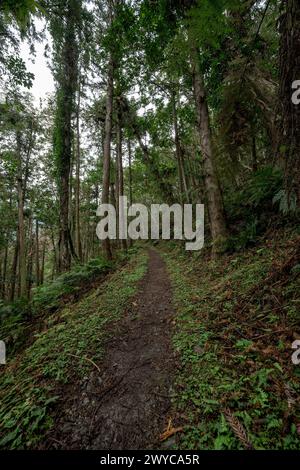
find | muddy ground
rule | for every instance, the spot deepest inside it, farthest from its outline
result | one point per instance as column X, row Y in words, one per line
column 127, row 404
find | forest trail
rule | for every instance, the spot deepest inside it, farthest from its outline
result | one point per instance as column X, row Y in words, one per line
column 126, row 404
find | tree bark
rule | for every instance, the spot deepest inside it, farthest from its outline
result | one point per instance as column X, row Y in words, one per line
column 130, row 242
column 120, row 178
column 14, row 269
column 42, row 273
column 37, row 253
column 4, row 272
column 107, row 146
column 67, row 85
column 55, row 256
column 30, row 257
column 21, row 229
column 213, row 192
column 77, row 184
column 289, row 71
column 181, row 172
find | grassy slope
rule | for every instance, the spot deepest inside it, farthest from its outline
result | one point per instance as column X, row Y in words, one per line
column 61, row 353
column 236, row 320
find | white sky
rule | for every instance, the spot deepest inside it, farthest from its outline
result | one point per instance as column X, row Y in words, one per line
column 43, row 81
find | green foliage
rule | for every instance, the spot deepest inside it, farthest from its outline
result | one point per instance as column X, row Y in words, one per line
column 287, row 203
column 20, row 10
column 228, row 346
column 49, row 296
column 17, row 68
column 261, row 187
column 58, row 354
column 15, row 317
column 249, row 209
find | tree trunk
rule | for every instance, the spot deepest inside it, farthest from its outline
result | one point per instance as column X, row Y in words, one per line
column 4, row 272
column 21, row 230
column 77, row 184
column 120, row 178
column 107, row 146
column 67, row 85
column 30, row 257
column 37, row 253
column 55, row 256
column 289, row 72
column 130, row 172
column 213, row 192
column 42, row 273
column 14, row 269
column 181, row 173
column 130, row 242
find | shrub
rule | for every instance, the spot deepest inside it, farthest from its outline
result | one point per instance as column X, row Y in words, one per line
column 256, row 197
column 49, row 296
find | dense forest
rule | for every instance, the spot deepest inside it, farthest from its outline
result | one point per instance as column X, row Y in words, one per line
column 141, row 344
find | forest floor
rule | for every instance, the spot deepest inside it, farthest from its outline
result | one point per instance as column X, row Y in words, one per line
column 124, row 403
column 170, row 350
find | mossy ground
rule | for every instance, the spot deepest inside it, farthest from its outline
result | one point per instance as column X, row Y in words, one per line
column 236, row 319
column 62, row 352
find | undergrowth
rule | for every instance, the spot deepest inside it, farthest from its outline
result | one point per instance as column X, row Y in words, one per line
column 236, row 319
column 17, row 318
column 62, row 352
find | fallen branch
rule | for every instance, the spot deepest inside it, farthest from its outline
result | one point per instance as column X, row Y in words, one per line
column 170, row 431
column 87, row 359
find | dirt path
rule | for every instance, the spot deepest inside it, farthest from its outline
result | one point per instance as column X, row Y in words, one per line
column 126, row 405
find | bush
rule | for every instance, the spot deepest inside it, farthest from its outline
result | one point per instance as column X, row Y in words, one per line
column 49, row 296
column 256, row 197
column 46, row 298
column 258, row 193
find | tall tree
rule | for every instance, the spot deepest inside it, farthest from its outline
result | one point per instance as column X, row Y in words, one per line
column 77, row 177
column 107, row 144
column 213, row 192
column 65, row 37
column 289, row 72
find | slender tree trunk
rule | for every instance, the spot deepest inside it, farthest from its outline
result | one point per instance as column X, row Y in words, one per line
column 181, row 172
column 42, row 273
column 195, row 180
column 77, row 176
column 55, row 256
column 37, row 253
column 21, row 231
column 130, row 242
column 120, row 167
column 6, row 253
column 114, row 198
column 30, row 257
column 107, row 146
column 289, row 72
column 4, row 272
column 14, row 269
column 213, row 192
column 130, row 172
